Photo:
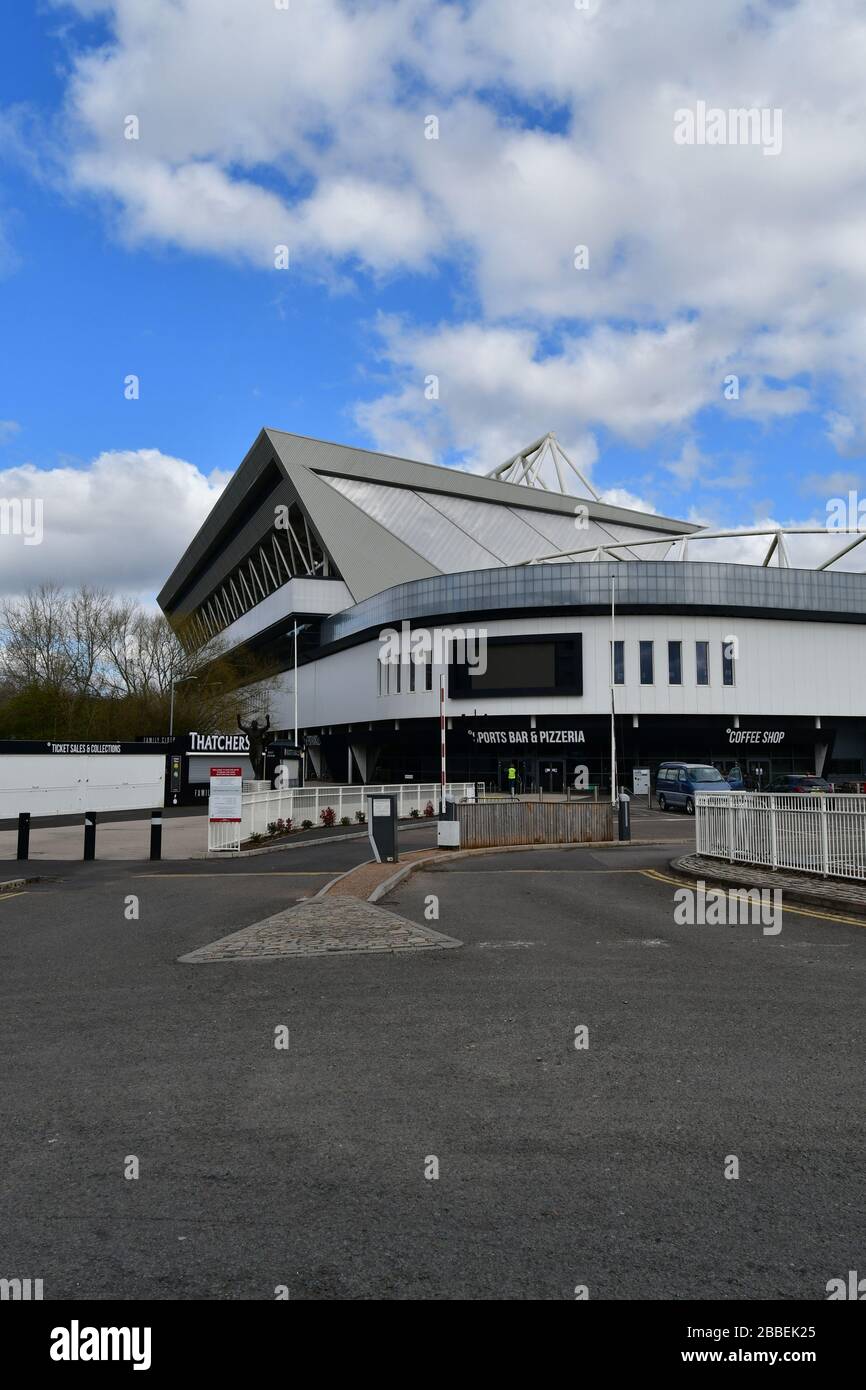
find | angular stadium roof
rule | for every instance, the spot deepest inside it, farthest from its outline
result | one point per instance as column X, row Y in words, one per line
column 373, row 520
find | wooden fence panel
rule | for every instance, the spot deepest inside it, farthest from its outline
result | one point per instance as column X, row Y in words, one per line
column 535, row 823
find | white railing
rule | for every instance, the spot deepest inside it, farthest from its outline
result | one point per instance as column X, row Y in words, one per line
column 260, row 809
column 223, row 835
column 815, row 832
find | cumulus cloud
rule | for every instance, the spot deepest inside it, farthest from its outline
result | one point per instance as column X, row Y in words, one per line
column 306, row 126
column 120, row 522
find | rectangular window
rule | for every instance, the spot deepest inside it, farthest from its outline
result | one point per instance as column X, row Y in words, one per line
column 702, row 662
column 646, row 663
column 675, row 663
column 727, row 663
column 428, row 675
column 619, row 663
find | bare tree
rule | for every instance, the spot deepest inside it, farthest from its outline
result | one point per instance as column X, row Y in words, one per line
column 83, row 661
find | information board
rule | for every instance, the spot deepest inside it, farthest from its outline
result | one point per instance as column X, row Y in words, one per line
column 226, row 790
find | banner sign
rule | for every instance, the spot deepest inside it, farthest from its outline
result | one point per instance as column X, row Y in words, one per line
column 219, row 743
column 755, row 735
column 226, row 790
column 543, row 737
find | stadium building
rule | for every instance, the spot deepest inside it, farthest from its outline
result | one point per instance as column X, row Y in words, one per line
column 706, row 646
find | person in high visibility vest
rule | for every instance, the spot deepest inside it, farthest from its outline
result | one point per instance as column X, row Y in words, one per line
column 512, row 778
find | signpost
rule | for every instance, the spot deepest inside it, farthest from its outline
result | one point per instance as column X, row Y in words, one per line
column 641, row 784
column 224, row 802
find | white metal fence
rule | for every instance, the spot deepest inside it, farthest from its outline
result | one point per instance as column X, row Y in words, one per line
column 259, row 809
column 818, row 833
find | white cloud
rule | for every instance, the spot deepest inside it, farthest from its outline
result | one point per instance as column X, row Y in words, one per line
column 120, row 522
column 261, row 126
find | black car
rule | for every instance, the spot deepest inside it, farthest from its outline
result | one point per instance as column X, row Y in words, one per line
column 799, row 782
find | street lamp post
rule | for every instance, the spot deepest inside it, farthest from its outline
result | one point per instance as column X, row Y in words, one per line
column 613, row 792
column 171, row 708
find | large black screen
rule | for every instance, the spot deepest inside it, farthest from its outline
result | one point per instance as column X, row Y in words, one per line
column 521, row 666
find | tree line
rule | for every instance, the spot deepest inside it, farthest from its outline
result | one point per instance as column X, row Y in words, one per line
column 84, row 664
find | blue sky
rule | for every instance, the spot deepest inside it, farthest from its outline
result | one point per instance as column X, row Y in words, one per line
column 411, row 257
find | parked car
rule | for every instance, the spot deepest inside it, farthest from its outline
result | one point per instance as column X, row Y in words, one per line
column 734, row 778
column 678, row 783
column 799, row 782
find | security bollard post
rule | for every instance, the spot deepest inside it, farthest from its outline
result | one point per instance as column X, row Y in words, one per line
column 23, row 835
column 156, row 834
column 624, row 820
column 89, row 834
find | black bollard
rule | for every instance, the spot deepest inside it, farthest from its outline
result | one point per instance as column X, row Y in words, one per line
column 89, row 834
column 156, row 834
column 23, row 835
column 624, row 820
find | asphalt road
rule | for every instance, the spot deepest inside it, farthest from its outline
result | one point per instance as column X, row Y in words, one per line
column 305, row 1167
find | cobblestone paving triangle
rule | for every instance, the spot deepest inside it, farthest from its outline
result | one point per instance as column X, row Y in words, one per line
column 326, row 926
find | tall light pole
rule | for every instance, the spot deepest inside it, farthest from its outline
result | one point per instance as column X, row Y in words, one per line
column 612, row 689
column 174, row 682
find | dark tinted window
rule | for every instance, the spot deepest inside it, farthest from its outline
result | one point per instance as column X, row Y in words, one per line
column 702, row 662
column 619, row 663
column 646, row 663
column 675, row 663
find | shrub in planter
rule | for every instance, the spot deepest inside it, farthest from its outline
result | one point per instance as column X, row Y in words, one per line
column 255, row 837
column 415, row 813
column 328, row 816
column 306, row 825
column 361, row 817
column 344, row 820
column 428, row 809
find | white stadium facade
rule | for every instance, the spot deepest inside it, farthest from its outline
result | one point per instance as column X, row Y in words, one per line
column 728, row 649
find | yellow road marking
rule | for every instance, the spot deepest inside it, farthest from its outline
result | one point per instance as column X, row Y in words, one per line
column 552, row 871
column 22, row 892
column 740, row 893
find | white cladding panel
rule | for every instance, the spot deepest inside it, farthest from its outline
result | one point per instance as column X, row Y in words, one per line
column 785, row 667
column 59, row 784
column 298, row 597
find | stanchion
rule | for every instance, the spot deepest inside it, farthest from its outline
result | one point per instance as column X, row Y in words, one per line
column 89, row 834
column 23, row 835
column 156, row 834
column 624, row 821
